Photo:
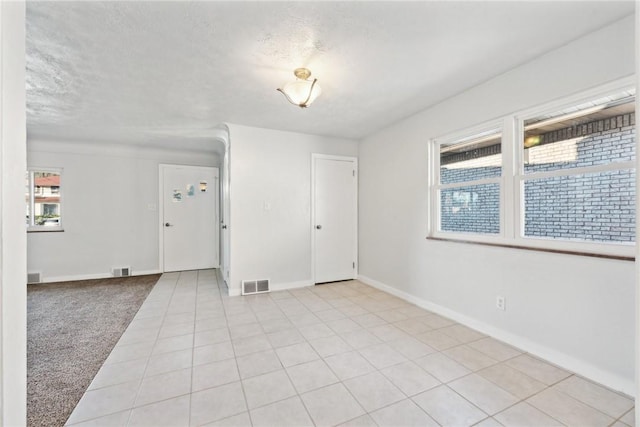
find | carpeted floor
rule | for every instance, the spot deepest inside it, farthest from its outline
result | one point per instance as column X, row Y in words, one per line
column 71, row 329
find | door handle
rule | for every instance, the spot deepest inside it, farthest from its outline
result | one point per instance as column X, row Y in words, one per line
column 167, row 224
column 318, row 227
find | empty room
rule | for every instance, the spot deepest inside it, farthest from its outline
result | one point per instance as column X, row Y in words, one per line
column 350, row 213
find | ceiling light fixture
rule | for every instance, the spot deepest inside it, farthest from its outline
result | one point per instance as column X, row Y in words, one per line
column 303, row 91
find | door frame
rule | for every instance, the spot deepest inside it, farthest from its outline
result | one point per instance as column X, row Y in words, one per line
column 161, row 169
column 354, row 160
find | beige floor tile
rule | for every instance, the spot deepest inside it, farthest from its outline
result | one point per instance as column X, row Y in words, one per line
column 311, row 375
column 212, row 336
column 613, row 404
column 329, row 346
column 629, row 418
column 373, row 391
column 330, row 314
column 286, row 413
column 285, row 338
column 412, row 326
column 462, row 333
column 217, row 403
column 448, row 408
column 212, row 353
column 361, row 421
column 537, row 369
column 173, row 412
column 125, row 353
column 341, row 326
column 360, row 339
column 168, row 362
column 276, row 325
column 137, row 336
column 167, row 345
column 250, row 345
column 495, row 349
column 411, row 348
column 410, row 378
column 117, row 373
column 369, row 320
column 118, row 419
column 214, row 374
column 349, row 365
column 382, row 355
column 318, row 330
column 512, row 380
column 438, row 340
column 435, row 321
column 164, row 386
column 525, row 415
column 483, row 393
column 470, row 358
column 104, row 401
column 258, row 364
column 391, row 316
column 267, row 388
column 240, row 420
column 442, row 367
column 403, row 413
column 388, row 333
column 489, row 422
column 568, row 410
column 245, row 330
column 296, row 354
column 168, row 331
column 331, row 405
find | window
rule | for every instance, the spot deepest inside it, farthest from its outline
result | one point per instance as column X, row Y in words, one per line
column 468, row 190
column 43, row 199
column 560, row 178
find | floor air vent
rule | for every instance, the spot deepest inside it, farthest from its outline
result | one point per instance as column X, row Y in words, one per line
column 121, row 272
column 34, row 278
column 255, row 286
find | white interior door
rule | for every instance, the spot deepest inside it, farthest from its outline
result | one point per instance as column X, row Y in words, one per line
column 335, row 216
column 189, row 217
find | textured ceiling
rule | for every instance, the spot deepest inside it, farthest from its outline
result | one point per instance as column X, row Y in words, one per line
column 169, row 72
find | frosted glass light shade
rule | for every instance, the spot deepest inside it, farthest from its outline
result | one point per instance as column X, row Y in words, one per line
column 301, row 92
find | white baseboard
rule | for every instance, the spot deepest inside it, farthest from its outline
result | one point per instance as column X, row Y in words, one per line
column 75, row 277
column 290, row 285
column 580, row 367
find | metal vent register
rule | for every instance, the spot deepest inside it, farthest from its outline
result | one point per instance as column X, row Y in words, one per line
column 255, row 286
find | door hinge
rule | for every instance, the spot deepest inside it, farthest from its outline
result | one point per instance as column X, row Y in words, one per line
column 354, row 173
column 354, row 265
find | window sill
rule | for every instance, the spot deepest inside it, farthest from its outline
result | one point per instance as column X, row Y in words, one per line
column 45, row 230
column 532, row 248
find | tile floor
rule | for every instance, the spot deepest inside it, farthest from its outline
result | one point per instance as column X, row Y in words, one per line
column 337, row 354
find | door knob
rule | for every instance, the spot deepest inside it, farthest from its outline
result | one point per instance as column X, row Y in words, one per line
column 167, row 224
column 224, row 226
column 318, row 227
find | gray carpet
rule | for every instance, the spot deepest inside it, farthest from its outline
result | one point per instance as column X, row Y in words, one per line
column 71, row 329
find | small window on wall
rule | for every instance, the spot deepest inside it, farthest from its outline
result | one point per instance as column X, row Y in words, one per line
column 43, row 200
column 578, row 172
column 467, row 193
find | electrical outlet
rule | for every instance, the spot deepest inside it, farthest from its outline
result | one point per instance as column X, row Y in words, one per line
column 501, row 303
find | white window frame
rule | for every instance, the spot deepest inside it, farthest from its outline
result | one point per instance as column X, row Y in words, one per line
column 31, row 227
column 513, row 178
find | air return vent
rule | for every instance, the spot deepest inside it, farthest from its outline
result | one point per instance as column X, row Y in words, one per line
column 255, row 286
column 34, row 277
column 121, row 271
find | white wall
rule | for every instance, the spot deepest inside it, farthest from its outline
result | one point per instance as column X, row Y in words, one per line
column 576, row 311
column 110, row 208
column 13, row 295
column 271, row 203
